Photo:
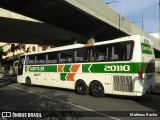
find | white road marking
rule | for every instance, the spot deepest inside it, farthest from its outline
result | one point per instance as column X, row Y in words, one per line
column 3, row 118
column 67, row 103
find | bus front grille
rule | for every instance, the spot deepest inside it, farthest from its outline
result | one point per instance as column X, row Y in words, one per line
column 122, row 83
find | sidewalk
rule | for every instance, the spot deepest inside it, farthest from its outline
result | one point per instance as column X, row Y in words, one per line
column 10, row 76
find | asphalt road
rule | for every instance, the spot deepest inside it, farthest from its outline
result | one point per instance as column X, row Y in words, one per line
column 62, row 104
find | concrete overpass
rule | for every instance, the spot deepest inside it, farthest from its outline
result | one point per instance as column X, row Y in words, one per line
column 16, row 28
column 79, row 20
column 19, row 31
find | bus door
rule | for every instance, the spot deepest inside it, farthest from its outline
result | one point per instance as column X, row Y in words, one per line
column 21, row 69
column 15, row 66
column 21, row 65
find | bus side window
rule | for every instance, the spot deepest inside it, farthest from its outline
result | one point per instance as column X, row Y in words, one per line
column 66, row 56
column 114, row 55
column 107, row 53
column 92, row 55
column 77, row 58
column 128, row 53
column 41, row 59
column 99, row 53
column 62, row 58
column 87, row 55
column 30, row 59
column 27, row 60
column 51, row 58
column 120, row 51
column 82, row 54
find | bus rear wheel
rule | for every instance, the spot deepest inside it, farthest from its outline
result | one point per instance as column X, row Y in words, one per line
column 81, row 88
column 28, row 82
column 97, row 89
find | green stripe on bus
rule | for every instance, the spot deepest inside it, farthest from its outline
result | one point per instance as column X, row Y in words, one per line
column 146, row 49
column 63, row 76
column 66, row 68
column 97, row 68
column 114, row 68
column 85, row 67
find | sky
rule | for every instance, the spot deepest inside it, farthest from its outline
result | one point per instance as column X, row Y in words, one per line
column 133, row 9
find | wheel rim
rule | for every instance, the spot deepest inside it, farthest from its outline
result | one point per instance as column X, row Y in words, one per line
column 28, row 82
column 81, row 88
column 97, row 89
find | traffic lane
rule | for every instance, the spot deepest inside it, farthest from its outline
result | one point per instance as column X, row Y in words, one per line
column 107, row 103
column 7, row 81
column 17, row 99
column 83, row 111
column 73, row 99
column 14, row 98
column 116, row 115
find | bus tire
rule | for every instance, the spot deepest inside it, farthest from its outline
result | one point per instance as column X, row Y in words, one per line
column 81, row 88
column 97, row 89
column 28, row 82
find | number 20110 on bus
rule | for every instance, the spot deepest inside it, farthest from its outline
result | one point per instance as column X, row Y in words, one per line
column 117, row 68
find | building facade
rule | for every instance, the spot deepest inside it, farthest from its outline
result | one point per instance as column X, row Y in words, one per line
column 14, row 50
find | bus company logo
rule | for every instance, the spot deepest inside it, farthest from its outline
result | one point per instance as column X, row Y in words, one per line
column 26, row 69
column 35, row 68
column 146, row 48
column 116, row 68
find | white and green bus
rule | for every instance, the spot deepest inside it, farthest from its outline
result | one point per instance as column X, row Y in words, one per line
column 124, row 66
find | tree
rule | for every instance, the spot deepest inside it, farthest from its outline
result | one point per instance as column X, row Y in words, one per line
column 1, row 53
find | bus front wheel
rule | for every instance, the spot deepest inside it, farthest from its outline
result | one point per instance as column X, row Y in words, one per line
column 97, row 89
column 81, row 88
column 28, row 82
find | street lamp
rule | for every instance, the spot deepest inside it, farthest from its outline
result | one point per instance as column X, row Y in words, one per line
column 119, row 3
column 142, row 20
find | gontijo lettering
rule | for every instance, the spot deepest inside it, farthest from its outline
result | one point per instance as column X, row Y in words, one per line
column 146, row 48
column 36, row 69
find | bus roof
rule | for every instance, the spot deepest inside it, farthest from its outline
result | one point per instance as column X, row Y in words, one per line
column 86, row 45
